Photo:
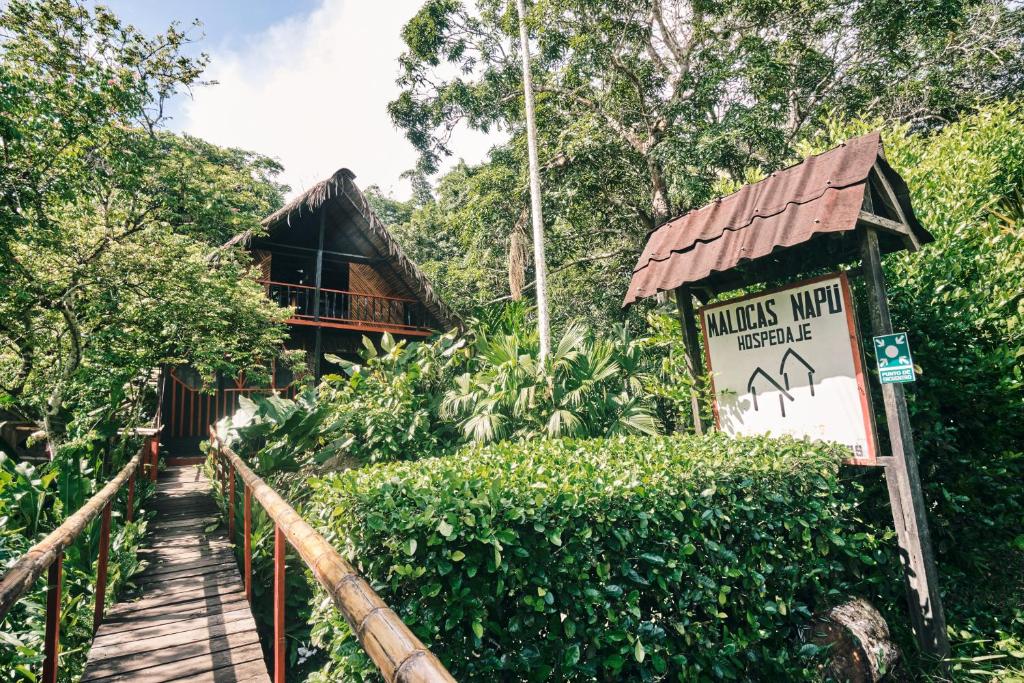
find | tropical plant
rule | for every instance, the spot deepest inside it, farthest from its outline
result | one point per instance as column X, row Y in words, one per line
column 279, row 434
column 588, row 386
column 389, row 403
column 34, row 500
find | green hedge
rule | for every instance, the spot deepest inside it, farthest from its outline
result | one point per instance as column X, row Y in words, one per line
column 635, row 558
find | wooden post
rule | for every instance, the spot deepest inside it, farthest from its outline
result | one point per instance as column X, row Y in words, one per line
column 316, row 304
column 130, row 513
column 694, row 363
column 247, row 542
column 154, row 456
column 904, row 481
column 279, row 589
column 231, row 503
column 51, row 642
column 101, row 568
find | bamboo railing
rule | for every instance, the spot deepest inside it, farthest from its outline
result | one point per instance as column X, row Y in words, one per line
column 397, row 652
column 48, row 555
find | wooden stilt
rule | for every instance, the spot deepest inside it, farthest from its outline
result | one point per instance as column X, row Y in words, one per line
column 279, row 590
column 101, row 568
column 247, row 542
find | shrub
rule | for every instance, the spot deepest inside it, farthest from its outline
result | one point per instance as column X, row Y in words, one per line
column 33, row 502
column 631, row 558
column 590, row 385
column 388, row 405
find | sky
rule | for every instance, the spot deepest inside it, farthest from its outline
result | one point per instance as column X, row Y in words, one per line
column 304, row 81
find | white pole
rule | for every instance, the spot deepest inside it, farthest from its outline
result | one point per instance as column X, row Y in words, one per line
column 543, row 325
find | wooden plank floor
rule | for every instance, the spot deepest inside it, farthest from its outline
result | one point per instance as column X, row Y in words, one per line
column 191, row 620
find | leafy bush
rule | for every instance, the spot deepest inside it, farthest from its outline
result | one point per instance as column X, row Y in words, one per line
column 389, row 405
column 632, row 558
column 588, row 386
column 33, row 502
column 279, row 434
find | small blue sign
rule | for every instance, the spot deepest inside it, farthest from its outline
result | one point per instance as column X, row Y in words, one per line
column 895, row 364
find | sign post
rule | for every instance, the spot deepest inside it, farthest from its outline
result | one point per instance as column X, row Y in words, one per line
column 788, row 361
column 903, row 479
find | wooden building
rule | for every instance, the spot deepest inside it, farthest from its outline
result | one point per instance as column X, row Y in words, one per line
column 329, row 258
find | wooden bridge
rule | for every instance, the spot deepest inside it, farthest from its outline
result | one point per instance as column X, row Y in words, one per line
column 192, row 620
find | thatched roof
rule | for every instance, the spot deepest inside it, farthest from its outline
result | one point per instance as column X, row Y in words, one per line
column 340, row 188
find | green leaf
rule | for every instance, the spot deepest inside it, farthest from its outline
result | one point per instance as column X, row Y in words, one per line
column 478, row 629
column 410, row 547
column 458, row 556
column 653, row 559
column 571, row 656
column 445, row 529
column 638, row 651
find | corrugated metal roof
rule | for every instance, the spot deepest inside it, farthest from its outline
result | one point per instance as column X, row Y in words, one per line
column 823, row 194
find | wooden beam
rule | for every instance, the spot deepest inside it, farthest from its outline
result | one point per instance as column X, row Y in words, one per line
column 904, row 481
column 886, row 225
column 694, row 362
column 913, row 244
column 354, row 258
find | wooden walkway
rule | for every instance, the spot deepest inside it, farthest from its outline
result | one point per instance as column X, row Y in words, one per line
column 191, row 620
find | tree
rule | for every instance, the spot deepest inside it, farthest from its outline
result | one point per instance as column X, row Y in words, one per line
column 107, row 223
column 648, row 109
column 536, row 209
column 707, row 87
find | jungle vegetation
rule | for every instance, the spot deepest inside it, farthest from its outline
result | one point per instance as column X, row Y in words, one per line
column 111, row 265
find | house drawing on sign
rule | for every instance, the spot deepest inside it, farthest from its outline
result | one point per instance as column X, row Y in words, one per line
column 752, row 389
column 329, row 258
column 790, row 353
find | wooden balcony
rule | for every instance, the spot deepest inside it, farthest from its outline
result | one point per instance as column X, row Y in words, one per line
column 345, row 310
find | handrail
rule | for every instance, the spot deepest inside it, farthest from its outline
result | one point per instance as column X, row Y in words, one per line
column 397, row 652
column 339, row 291
column 48, row 556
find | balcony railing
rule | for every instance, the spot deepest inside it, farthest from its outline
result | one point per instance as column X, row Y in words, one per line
column 350, row 310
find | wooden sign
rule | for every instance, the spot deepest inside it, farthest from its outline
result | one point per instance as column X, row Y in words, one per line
column 788, row 362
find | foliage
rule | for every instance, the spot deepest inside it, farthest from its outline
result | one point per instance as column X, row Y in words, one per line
column 280, row 435
column 388, row 406
column 107, row 223
column 962, row 300
column 644, row 108
column 588, row 386
column 33, row 502
column 630, row 558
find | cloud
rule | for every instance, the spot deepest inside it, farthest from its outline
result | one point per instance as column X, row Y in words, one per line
column 312, row 92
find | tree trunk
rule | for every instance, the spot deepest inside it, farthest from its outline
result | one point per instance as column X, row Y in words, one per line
column 661, row 210
column 539, row 261
column 860, row 648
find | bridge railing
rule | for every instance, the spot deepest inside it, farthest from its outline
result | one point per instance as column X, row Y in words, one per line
column 47, row 556
column 398, row 653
